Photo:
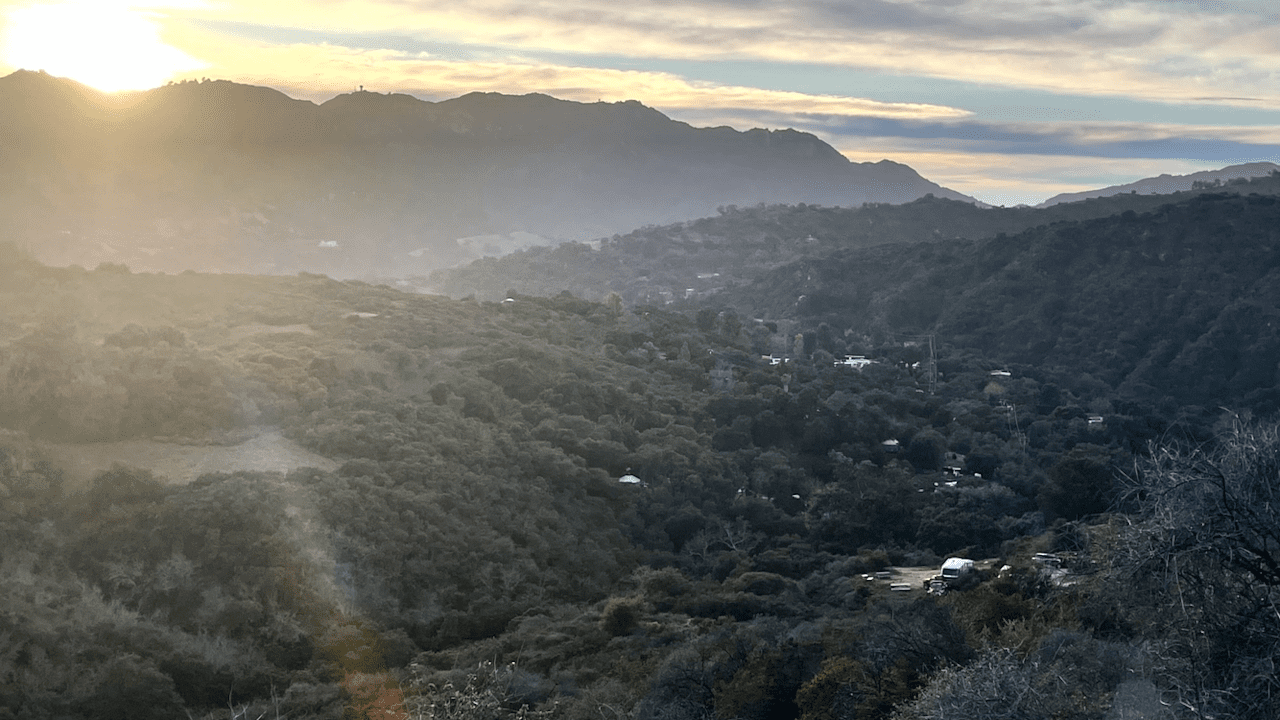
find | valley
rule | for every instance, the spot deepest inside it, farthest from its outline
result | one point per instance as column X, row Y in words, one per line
column 627, row 476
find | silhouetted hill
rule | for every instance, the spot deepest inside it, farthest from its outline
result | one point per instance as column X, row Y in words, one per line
column 1166, row 184
column 218, row 175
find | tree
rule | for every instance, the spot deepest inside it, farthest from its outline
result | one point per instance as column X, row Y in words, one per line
column 613, row 303
column 1069, row 676
column 1079, row 484
column 865, row 506
column 1199, row 569
column 131, row 687
column 926, row 450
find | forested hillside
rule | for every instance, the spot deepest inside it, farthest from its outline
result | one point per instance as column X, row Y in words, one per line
column 1163, row 300
column 1176, row 306
column 591, row 509
column 700, row 258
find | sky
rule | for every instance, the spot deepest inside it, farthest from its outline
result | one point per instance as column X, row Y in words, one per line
column 1010, row 101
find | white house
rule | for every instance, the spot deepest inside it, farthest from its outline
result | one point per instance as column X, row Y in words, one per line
column 857, row 362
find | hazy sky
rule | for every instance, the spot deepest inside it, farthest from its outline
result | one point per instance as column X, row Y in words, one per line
column 1007, row 100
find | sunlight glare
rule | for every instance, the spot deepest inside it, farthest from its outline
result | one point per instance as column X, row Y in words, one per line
column 106, row 45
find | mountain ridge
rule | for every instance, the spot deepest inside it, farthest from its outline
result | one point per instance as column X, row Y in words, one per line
column 1166, row 184
column 223, row 176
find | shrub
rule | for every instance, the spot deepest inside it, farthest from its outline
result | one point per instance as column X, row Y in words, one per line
column 130, row 688
column 621, row 615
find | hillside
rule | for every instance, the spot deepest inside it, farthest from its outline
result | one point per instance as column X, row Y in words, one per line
column 699, row 258
column 220, row 176
column 1169, row 184
column 1174, row 305
column 477, row 547
column 1180, row 281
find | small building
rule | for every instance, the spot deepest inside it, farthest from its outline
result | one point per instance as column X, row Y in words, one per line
column 953, row 463
column 857, row 362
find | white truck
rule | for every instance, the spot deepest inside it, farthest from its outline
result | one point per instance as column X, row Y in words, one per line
column 956, row 568
column 957, row 573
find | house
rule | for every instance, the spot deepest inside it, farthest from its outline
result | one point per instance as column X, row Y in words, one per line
column 1095, row 419
column 953, row 463
column 891, row 445
column 1000, row 373
column 857, row 362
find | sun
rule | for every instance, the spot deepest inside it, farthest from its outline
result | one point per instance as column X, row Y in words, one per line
column 111, row 46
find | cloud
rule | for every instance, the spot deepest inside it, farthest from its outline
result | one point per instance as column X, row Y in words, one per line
column 1094, row 139
column 1172, row 54
column 1166, row 51
column 320, row 71
column 1021, row 179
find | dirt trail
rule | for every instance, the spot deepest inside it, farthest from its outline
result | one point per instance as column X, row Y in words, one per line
column 266, row 451
column 915, row 576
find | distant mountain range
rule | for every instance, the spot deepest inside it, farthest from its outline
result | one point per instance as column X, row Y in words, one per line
column 218, row 175
column 1166, row 184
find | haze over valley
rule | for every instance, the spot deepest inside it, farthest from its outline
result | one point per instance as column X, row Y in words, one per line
column 639, row 361
column 233, row 178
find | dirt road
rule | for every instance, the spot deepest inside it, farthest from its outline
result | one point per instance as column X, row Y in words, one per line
column 177, row 464
column 915, row 576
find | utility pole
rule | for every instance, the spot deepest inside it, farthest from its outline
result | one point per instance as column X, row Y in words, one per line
column 1015, row 428
column 933, row 367
column 931, row 371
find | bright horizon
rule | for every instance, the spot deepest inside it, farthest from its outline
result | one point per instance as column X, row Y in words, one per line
column 1008, row 102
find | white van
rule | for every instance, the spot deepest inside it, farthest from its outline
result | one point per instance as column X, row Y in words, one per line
column 956, row 568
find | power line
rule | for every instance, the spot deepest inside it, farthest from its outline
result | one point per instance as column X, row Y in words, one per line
column 932, row 370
